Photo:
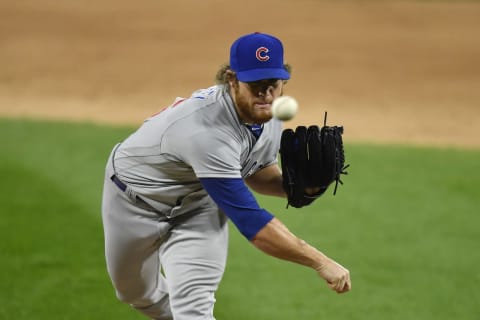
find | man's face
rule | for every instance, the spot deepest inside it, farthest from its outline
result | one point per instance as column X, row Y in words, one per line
column 254, row 99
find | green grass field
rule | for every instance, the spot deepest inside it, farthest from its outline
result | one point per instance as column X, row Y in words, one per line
column 405, row 223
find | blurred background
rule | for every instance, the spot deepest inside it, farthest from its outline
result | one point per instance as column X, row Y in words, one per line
column 406, row 71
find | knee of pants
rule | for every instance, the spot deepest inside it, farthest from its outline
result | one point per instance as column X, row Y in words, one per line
column 136, row 297
column 155, row 310
column 132, row 299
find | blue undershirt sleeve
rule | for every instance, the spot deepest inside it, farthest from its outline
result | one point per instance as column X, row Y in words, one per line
column 235, row 199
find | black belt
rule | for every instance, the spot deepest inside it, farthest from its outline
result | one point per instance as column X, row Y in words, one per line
column 122, row 186
column 119, row 183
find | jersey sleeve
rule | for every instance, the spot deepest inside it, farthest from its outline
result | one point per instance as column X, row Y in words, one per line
column 238, row 203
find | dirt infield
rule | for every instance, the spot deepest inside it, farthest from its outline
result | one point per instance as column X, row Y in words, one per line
column 401, row 71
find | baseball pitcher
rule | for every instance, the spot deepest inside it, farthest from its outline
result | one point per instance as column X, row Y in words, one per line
column 171, row 186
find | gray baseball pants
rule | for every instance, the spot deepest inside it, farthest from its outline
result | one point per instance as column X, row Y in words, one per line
column 165, row 268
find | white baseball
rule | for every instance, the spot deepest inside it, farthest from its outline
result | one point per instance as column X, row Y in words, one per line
column 284, row 108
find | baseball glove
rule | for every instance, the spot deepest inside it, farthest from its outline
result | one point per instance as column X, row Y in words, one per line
column 311, row 159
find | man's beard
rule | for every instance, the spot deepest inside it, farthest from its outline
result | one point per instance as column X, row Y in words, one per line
column 249, row 113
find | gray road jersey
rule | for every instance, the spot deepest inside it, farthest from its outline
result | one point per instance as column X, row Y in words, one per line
column 198, row 137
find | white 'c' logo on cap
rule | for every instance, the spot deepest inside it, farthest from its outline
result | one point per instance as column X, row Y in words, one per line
column 261, row 54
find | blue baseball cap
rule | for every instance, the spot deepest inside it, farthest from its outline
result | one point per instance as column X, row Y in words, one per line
column 258, row 56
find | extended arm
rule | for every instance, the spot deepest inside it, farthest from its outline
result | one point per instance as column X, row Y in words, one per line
column 269, row 235
column 276, row 240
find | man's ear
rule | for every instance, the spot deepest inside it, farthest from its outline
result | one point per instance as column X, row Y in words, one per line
column 231, row 78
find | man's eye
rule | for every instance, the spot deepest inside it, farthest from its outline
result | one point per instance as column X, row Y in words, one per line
column 255, row 86
column 272, row 83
